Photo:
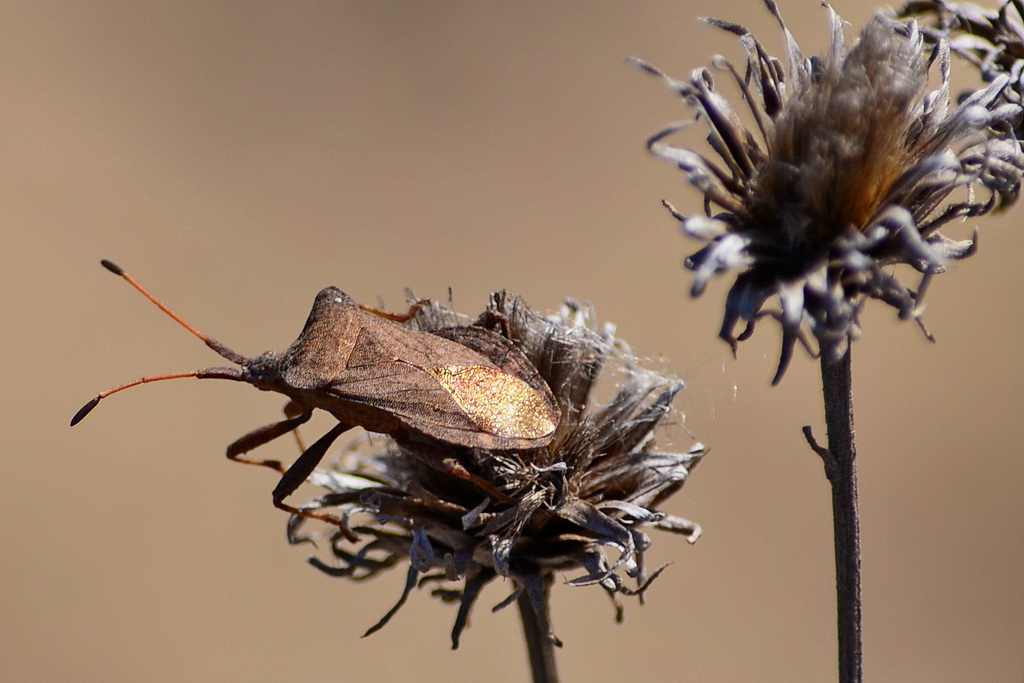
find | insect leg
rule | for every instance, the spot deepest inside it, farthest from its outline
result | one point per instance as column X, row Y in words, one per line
column 397, row 317
column 491, row 320
column 439, row 460
column 293, row 409
column 262, row 435
column 300, row 471
column 455, row 468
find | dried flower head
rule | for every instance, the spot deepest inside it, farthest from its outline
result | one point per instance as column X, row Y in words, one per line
column 991, row 40
column 849, row 171
column 460, row 517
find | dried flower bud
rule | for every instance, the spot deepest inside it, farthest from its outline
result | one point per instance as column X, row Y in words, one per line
column 850, row 170
column 460, row 517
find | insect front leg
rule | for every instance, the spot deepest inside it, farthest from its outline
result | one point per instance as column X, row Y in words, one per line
column 262, row 435
column 300, row 471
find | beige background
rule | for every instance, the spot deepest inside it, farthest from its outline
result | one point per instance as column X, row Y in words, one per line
column 239, row 156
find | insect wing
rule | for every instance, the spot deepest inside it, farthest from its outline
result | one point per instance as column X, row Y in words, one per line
column 446, row 390
column 506, row 356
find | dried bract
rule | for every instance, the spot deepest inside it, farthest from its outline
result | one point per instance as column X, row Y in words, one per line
column 850, row 169
column 459, row 517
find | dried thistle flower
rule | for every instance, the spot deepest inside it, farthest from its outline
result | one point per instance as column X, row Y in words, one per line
column 849, row 171
column 991, row 40
column 461, row 517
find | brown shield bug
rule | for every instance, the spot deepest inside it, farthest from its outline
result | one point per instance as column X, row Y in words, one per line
column 465, row 386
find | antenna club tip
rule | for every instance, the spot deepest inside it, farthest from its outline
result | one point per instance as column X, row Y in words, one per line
column 112, row 267
column 84, row 410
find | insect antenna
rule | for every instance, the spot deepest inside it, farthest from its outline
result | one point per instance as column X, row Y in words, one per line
column 220, row 348
column 206, row 373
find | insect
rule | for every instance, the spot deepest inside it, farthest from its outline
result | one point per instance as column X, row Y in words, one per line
column 465, row 386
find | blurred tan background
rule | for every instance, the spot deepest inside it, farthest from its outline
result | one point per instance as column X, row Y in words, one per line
column 238, row 156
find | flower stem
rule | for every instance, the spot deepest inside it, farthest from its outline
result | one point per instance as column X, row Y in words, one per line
column 841, row 469
column 537, row 630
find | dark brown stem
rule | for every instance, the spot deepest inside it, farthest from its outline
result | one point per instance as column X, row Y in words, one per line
column 537, row 628
column 840, row 460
